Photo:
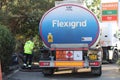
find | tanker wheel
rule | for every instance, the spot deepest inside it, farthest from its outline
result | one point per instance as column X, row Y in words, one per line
column 97, row 71
column 115, row 57
column 48, row 72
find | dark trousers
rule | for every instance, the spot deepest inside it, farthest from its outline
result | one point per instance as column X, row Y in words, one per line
column 28, row 58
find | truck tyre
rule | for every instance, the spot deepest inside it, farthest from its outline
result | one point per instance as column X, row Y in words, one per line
column 115, row 57
column 48, row 72
column 97, row 71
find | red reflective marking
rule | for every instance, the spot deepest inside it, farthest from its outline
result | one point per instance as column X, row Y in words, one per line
column 94, row 63
column 44, row 63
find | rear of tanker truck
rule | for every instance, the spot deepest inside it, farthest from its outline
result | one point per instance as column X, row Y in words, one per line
column 70, row 34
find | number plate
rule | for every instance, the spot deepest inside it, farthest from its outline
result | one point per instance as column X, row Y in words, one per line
column 93, row 57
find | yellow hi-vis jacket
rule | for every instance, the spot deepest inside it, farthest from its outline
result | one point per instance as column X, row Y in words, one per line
column 28, row 47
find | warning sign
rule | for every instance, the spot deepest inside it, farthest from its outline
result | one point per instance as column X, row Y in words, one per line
column 69, row 54
column 78, row 55
column 50, row 37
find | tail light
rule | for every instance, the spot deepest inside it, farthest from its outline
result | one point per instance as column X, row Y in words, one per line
column 44, row 63
column 96, row 63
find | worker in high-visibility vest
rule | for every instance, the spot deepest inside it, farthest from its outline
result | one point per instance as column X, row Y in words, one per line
column 28, row 51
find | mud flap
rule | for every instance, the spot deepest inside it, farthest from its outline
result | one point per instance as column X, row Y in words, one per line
column 97, row 71
column 48, row 72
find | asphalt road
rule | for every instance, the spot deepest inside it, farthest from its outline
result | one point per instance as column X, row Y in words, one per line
column 109, row 72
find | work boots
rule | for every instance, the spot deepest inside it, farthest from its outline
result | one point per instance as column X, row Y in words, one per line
column 29, row 66
column 25, row 66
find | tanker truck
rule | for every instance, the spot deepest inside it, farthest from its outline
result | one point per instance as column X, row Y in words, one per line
column 109, row 27
column 70, row 34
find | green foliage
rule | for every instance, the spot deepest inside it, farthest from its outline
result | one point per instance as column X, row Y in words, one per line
column 7, row 43
column 22, row 17
column 94, row 6
column 38, row 44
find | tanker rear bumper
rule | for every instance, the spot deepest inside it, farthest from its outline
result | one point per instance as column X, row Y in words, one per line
column 59, row 64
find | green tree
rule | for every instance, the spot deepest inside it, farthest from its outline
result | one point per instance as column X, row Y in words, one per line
column 94, row 6
column 7, row 44
column 22, row 16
